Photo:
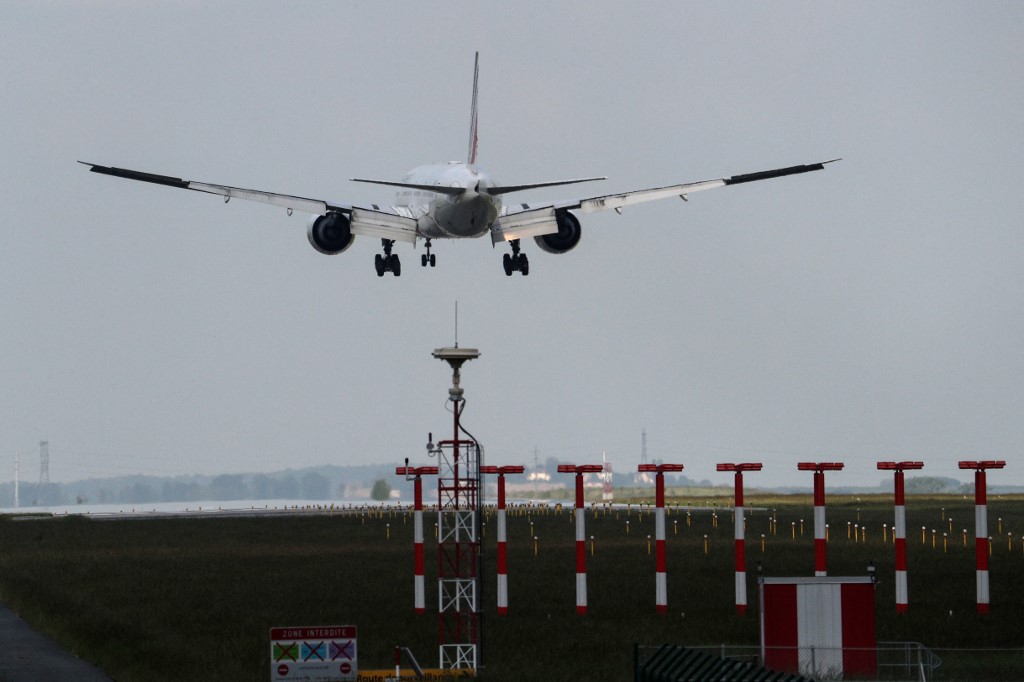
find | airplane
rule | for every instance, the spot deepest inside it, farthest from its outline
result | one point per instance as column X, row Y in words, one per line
column 452, row 200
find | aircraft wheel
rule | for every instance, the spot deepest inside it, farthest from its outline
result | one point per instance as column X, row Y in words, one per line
column 378, row 263
column 507, row 261
column 396, row 265
column 423, row 260
column 433, row 260
column 524, row 265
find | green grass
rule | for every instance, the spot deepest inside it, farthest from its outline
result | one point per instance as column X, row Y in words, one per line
column 167, row 599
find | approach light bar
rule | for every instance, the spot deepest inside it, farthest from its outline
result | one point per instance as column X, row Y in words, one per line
column 981, row 466
column 819, row 466
column 745, row 466
column 900, row 466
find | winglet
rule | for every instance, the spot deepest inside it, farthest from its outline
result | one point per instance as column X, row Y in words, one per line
column 472, row 113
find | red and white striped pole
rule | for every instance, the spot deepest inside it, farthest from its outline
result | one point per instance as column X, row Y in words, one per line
column 416, row 472
column 899, row 530
column 502, row 544
column 660, row 573
column 981, row 526
column 819, row 469
column 741, row 561
column 581, row 544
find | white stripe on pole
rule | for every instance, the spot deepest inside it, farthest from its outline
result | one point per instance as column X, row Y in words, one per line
column 819, row 523
column 502, row 592
column 581, row 592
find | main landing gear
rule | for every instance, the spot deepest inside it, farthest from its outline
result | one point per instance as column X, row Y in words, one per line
column 428, row 258
column 387, row 262
column 516, row 261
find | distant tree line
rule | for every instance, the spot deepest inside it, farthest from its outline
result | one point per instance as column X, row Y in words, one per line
column 317, row 483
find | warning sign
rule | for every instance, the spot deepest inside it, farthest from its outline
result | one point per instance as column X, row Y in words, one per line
column 313, row 654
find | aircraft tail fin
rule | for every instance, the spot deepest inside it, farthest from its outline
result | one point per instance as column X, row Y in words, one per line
column 472, row 113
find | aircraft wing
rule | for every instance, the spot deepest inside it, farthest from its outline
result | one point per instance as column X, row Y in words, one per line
column 531, row 220
column 374, row 221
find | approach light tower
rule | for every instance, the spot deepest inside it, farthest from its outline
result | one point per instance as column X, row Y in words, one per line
column 981, row 526
column 458, row 522
column 820, row 541
column 899, row 527
column 739, row 529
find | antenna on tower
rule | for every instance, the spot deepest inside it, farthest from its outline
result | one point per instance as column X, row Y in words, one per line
column 456, row 323
column 44, row 463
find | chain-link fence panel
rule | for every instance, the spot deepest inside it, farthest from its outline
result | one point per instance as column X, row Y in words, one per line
column 888, row 662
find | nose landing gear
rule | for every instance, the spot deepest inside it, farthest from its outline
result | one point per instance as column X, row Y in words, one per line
column 516, row 261
column 428, row 258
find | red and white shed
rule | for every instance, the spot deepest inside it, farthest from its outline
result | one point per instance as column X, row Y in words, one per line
column 822, row 626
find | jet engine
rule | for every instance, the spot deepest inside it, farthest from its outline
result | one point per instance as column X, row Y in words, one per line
column 567, row 237
column 330, row 234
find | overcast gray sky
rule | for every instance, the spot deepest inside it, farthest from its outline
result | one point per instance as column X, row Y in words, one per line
column 871, row 311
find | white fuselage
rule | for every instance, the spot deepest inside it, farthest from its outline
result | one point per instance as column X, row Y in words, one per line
column 469, row 213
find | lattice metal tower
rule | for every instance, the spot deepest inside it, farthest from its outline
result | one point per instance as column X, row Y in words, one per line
column 44, row 464
column 458, row 521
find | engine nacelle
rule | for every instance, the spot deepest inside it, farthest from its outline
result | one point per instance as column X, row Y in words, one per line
column 330, row 234
column 567, row 237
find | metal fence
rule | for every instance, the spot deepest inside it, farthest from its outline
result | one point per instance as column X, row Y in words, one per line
column 891, row 662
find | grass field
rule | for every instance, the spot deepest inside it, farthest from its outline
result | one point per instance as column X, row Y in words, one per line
column 170, row 599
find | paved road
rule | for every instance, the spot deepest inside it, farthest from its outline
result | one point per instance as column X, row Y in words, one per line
column 31, row 657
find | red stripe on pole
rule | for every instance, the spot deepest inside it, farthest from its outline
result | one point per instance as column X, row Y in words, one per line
column 981, row 553
column 901, row 554
column 820, row 565
column 659, row 558
column 502, row 558
column 741, row 562
column 899, row 489
column 739, row 489
column 980, row 493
